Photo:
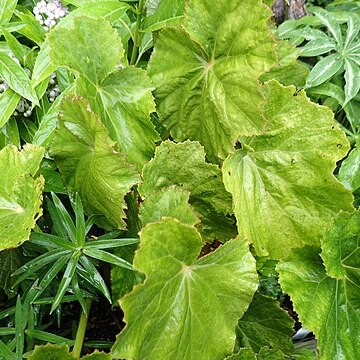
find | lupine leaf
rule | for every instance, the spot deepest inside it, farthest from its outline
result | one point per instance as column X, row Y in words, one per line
column 206, row 73
column 168, row 316
column 184, row 165
column 89, row 164
column 352, row 80
column 20, row 193
column 282, row 181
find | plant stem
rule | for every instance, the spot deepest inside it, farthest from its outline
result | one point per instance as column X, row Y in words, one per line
column 80, row 334
column 136, row 46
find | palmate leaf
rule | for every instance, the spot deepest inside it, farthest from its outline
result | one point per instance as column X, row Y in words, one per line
column 168, row 316
column 20, row 193
column 265, row 324
column 184, row 165
column 282, row 183
column 89, row 164
column 327, row 298
column 206, row 73
column 123, row 100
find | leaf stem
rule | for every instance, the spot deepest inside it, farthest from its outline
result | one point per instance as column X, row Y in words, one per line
column 80, row 334
column 135, row 49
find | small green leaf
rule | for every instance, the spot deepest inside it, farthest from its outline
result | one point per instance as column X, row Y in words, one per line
column 182, row 291
column 184, row 165
column 8, row 103
column 51, row 352
column 79, row 221
column 169, row 202
column 107, row 257
column 317, row 47
column 89, row 164
column 7, row 8
column 265, row 324
column 331, row 23
column 352, row 30
column 20, row 193
column 349, row 172
column 352, row 80
column 162, row 13
column 15, row 76
column 66, row 280
column 324, row 70
column 32, row 29
column 110, row 243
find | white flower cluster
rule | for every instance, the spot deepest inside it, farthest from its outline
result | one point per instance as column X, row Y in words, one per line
column 53, row 90
column 24, row 108
column 49, row 12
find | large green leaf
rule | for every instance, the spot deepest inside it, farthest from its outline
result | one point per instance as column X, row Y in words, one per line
column 7, row 8
column 20, row 193
column 184, row 165
column 329, row 307
column 265, row 324
column 187, row 308
column 92, row 62
column 8, row 103
column 282, row 183
column 206, row 72
column 89, row 164
column 123, row 100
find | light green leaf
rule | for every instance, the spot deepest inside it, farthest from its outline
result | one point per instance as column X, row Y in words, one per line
column 283, row 179
column 91, row 62
column 7, row 8
column 15, row 76
column 184, row 165
column 8, row 103
column 264, row 354
column 328, row 307
column 352, row 80
column 32, row 29
column 168, row 316
column 317, row 47
column 20, row 193
column 324, row 70
column 162, row 13
column 349, row 172
column 331, row 23
column 124, row 102
column 169, row 202
column 61, row 352
column 89, row 164
column 206, row 73
column 265, row 324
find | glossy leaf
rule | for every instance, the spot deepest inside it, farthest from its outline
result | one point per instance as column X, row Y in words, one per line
column 89, row 164
column 7, row 8
column 162, row 13
column 184, row 165
column 352, row 80
column 8, row 103
column 265, row 324
column 168, row 316
column 282, row 181
column 317, row 47
column 107, row 257
column 206, row 73
column 324, row 70
column 329, row 307
column 349, row 172
column 20, row 193
column 124, row 103
column 171, row 202
column 15, row 76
